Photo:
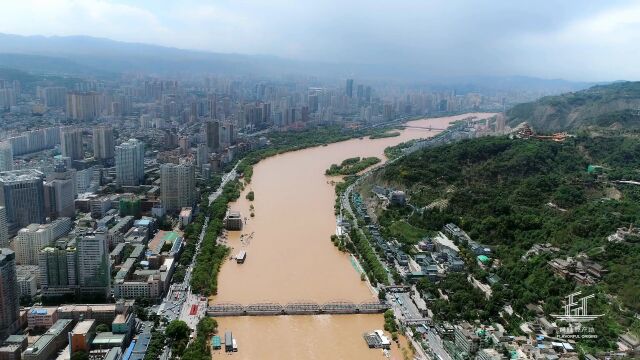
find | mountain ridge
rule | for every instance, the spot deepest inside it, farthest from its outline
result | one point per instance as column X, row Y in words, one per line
column 606, row 106
column 113, row 56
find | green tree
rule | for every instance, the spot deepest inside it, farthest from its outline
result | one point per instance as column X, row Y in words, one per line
column 207, row 327
column 177, row 330
column 102, row 328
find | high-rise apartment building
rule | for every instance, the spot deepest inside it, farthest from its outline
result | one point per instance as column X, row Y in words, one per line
column 7, row 99
column 83, row 106
column 71, row 143
column 9, row 300
column 94, row 268
column 177, row 186
column 202, row 155
column 6, row 156
column 4, row 228
column 130, row 163
column 349, row 88
column 31, row 239
column 60, row 192
column 212, row 133
column 53, row 96
column 58, row 269
column 103, row 143
column 22, row 194
column 213, row 105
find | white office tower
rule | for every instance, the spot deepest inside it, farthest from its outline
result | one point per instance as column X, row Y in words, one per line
column 33, row 238
column 177, row 186
column 6, row 156
column 130, row 163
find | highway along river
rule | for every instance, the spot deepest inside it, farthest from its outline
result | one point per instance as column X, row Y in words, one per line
column 290, row 257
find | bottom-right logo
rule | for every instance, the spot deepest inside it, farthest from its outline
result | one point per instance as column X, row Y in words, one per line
column 576, row 314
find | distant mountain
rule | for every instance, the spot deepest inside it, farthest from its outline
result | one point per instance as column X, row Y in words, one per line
column 82, row 55
column 614, row 105
column 48, row 65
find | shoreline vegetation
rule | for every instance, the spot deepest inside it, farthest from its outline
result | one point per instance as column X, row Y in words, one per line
column 212, row 255
column 385, row 134
column 352, row 166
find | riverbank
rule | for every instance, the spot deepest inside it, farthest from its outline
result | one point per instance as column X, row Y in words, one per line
column 290, row 257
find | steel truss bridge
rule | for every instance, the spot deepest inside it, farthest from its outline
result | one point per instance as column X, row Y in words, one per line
column 429, row 128
column 296, row 308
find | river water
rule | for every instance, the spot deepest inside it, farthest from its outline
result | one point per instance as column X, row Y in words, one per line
column 290, row 256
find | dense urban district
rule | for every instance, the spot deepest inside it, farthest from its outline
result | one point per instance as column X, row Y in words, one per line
column 486, row 241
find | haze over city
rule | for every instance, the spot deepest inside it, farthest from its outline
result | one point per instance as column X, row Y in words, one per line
column 574, row 40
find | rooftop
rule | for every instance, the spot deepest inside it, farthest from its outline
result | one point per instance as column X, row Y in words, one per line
column 108, row 338
column 83, row 327
column 20, row 175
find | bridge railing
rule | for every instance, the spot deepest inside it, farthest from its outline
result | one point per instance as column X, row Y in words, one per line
column 267, row 308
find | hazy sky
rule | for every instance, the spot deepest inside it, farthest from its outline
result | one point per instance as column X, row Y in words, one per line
column 572, row 39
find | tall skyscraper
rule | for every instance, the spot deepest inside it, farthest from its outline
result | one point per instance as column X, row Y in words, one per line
column 94, row 269
column 6, row 156
column 130, row 163
column 213, row 106
column 83, row 106
column 4, row 228
column 177, row 186
column 349, row 88
column 212, row 132
column 71, row 143
column 9, row 301
column 202, row 155
column 22, row 194
column 103, row 143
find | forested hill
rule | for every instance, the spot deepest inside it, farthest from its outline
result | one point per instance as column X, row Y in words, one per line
column 611, row 106
column 512, row 194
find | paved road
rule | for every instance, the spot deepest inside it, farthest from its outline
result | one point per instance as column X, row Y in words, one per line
column 179, row 299
column 436, row 346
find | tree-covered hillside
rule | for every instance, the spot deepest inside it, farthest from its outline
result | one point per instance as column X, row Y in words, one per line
column 609, row 106
column 512, row 194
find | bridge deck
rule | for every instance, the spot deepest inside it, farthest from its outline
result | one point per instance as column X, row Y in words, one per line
column 302, row 308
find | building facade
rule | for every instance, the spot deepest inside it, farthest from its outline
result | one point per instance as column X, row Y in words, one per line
column 83, row 106
column 103, row 143
column 130, row 163
column 22, row 195
column 177, row 186
column 9, row 300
